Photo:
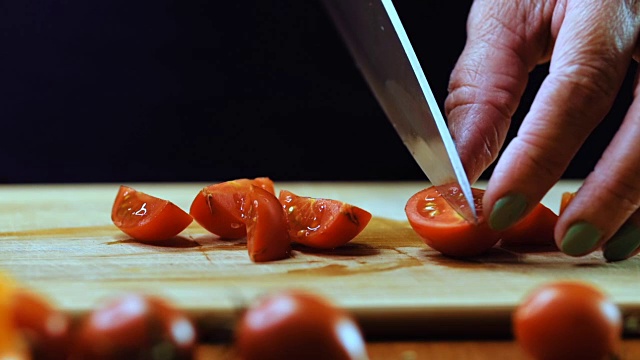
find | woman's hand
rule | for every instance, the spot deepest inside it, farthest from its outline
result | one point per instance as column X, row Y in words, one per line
column 590, row 45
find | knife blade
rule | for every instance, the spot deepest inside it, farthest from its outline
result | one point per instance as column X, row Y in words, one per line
column 378, row 42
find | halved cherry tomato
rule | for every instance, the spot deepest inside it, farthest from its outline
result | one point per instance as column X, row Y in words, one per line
column 535, row 229
column 322, row 223
column 147, row 218
column 267, row 231
column 46, row 329
column 135, row 326
column 444, row 230
column 566, row 199
column 568, row 320
column 218, row 207
column 292, row 324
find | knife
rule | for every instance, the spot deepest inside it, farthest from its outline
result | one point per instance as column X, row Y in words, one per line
column 377, row 41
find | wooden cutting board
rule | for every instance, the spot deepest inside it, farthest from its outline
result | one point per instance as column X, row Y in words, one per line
column 59, row 241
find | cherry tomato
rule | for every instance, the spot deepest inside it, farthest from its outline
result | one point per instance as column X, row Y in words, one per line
column 568, row 320
column 11, row 344
column 292, row 324
column 267, row 231
column 147, row 218
column 444, row 230
column 535, row 229
column 322, row 223
column 218, row 207
column 46, row 329
column 135, row 326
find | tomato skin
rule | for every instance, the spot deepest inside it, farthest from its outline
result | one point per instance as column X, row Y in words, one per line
column 147, row 218
column 135, row 326
column 267, row 229
column 46, row 330
column 293, row 324
column 442, row 229
column 568, row 320
column 218, row 207
column 535, row 229
column 322, row 223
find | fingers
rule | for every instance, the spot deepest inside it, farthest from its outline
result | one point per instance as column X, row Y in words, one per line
column 605, row 209
column 591, row 55
column 490, row 77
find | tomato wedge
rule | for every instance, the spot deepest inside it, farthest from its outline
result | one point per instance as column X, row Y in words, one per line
column 322, row 223
column 266, row 223
column 147, row 218
column 444, row 230
column 218, row 207
column 535, row 229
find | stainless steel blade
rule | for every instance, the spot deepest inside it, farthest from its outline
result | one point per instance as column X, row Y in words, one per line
column 382, row 51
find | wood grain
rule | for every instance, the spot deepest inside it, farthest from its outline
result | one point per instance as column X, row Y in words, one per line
column 59, row 241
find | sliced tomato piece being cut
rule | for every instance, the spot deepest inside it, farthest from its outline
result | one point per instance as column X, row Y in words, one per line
column 147, row 218
column 535, row 229
column 322, row 223
column 267, row 228
column 444, row 230
column 567, row 196
column 218, row 207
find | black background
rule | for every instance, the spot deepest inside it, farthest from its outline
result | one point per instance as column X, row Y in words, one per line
column 194, row 90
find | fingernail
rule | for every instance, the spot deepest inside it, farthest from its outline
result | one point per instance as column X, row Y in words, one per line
column 580, row 239
column 623, row 243
column 507, row 211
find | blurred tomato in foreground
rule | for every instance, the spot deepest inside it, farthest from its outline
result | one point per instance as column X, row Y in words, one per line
column 298, row 325
column 135, row 326
column 568, row 320
column 46, row 330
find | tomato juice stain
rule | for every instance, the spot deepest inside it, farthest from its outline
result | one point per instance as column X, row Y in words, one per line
column 361, row 268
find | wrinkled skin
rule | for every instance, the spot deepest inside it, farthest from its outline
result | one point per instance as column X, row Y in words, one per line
column 589, row 45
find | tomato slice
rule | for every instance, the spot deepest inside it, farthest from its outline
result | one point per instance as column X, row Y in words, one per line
column 444, row 230
column 147, row 218
column 218, row 207
column 535, row 229
column 266, row 223
column 322, row 223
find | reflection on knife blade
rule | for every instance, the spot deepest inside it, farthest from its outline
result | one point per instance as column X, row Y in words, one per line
column 379, row 44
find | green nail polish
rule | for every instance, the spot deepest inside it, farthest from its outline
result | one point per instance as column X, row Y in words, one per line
column 507, row 211
column 623, row 243
column 581, row 238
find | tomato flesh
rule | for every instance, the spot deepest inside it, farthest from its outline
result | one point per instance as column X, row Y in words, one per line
column 218, row 207
column 267, row 231
column 322, row 223
column 568, row 320
column 444, row 230
column 147, row 218
column 566, row 199
column 292, row 324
